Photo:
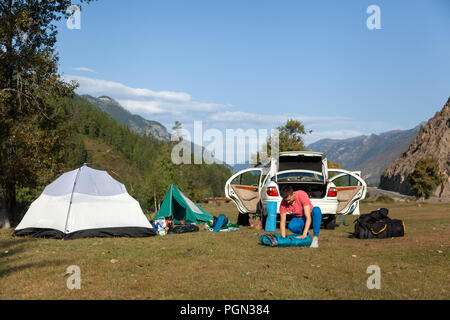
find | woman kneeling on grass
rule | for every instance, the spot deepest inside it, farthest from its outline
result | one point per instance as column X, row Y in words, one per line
column 299, row 205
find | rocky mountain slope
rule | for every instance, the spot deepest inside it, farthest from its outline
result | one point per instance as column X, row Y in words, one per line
column 433, row 140
column 369, row 154
column 135, row 122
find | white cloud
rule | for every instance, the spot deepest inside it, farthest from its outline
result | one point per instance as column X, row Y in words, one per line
column 146, row 102
column 85, row 69
column 118, row 90
column 136, row 106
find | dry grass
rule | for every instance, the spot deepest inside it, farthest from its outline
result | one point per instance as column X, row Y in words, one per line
column 234, row 265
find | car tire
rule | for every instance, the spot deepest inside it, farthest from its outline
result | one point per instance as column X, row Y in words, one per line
column 330, row 222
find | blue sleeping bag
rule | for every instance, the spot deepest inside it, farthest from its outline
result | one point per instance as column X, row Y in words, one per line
column 276, row 240
column 219, row 222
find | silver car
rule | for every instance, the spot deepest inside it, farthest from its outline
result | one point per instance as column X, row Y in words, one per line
column 334, row 191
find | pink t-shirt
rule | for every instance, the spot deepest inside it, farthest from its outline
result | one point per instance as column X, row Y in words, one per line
column 296, row 209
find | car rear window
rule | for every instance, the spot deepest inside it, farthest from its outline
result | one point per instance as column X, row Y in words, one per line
column 299, row 177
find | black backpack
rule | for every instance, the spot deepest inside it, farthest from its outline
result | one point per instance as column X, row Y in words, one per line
column 377, row 224
column 184, row 228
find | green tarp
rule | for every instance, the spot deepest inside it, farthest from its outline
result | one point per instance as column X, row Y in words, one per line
column 180, row 207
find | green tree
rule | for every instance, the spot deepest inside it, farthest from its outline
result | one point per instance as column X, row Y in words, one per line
column 425, row 178
column 33, row 123
column 291, row 136
column 177, row 126
column 290, row 139
column 334, row 165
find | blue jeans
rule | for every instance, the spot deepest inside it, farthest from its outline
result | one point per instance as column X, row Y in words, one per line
column 296, row 225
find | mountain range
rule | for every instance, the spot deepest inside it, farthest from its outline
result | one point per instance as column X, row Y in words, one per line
column 134, row 122
column 433, row 141
column 370, row 154
column 137, row 123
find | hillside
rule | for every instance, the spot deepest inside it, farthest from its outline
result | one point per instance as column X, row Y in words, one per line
column 433, row 140
column 135, row 122
column 369, row 154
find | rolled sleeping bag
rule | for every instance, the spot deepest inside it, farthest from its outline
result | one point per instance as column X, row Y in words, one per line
column 276, row 240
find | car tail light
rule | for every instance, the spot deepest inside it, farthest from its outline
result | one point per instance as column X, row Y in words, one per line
column 272, row 192
column 332, row 192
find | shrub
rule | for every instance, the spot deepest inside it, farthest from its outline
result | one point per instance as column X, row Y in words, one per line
column 425, row 178
column 385, row 199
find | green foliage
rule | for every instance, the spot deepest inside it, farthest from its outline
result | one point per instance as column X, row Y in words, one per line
column 291, row 136
column 334, row 165
column 34, row 129
column 385, row 199
column 425, row 178
column 290, row 139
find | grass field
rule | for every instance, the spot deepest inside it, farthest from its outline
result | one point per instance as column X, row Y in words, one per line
column 233, row 265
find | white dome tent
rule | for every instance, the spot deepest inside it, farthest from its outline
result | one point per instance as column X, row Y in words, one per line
column 84, row 203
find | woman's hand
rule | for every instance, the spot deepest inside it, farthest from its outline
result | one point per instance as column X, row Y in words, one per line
column 303, row 236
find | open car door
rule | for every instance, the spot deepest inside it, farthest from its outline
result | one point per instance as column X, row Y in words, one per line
column 243, row 188
column 350, row 189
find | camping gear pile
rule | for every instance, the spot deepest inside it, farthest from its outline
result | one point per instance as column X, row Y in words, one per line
column 162, row 226
column 221, row 223
column 255, row 222
column 165, row 226
column 377, row 224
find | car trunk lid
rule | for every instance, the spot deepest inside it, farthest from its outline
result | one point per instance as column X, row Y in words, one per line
column 314, row 161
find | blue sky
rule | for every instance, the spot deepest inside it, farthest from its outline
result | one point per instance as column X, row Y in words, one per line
column 253, row 64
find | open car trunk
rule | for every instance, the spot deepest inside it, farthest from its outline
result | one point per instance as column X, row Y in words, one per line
column 314, row 190
column 307, row 160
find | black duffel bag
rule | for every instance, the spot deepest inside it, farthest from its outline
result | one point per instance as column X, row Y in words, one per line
column 184, row 228
column 377, row 224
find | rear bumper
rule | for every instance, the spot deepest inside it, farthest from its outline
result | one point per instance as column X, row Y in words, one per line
column 327, row 206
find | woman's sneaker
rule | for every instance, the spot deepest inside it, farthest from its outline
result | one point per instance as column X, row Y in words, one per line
column 315, row 243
